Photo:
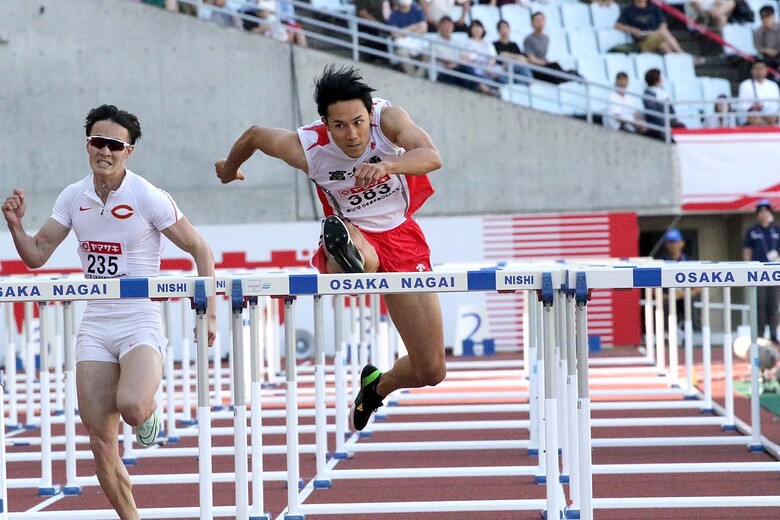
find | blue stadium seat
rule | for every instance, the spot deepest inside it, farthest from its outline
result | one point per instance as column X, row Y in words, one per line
column 593, row 69
column 740, row 36
column 679, row 66
column 559, row 46
column 516, row 94
column 687, row 90
column 620, row 63
column 551, row 12
column 582, row 42
column 711, row 88
column 604, row 17
column 571, row 96
column 489, row 15
column 645, row 61
column 608, row 38
column 544, row 97
column 519, row 18
column 575, row 16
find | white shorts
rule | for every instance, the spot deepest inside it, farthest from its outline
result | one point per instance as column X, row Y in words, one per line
column 111, row 330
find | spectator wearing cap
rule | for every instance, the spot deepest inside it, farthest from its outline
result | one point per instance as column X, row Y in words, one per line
column 761, row 244
column 673, row 250
column 759, row 97
column 766, row 37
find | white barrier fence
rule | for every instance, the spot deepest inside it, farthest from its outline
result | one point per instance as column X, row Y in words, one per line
column 556, row 364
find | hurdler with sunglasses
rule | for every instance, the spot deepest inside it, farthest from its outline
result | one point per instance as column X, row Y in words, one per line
column 118, row 218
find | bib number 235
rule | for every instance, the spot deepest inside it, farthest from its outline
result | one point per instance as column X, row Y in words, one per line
column 102, row 264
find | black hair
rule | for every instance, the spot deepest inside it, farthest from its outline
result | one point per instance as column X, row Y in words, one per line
column 445, row 18
column 652, row 77
column 120, row 117
column 621, row 75
column 537, row 13
column 342, row 84
column 501, row 22
column 476, row 23
column 765, row 11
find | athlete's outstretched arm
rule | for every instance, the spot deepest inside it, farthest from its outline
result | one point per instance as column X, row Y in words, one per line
column 274, row 142
column 189, row 240
column 33, row 250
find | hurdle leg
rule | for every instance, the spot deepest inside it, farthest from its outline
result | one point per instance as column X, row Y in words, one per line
column 10, row 365
column 291, row 395
column 186, row 374
column 204, row 412
column 562, row 373
column 340, row 379
column 649, row 327
column 46, row 487
column 256, row 412
column 583, row 410
column 554, row 505
column 3, row 476
column 706, row 340
column 217, row 353
column 170, row 392
column 364, row 320
column 239, row 402
column 755, row 399
column 688, row 328
column 660, row 361
column 71, row 479
column 572, row 435
column 728, row 361
column 59, row 385
column 674, row 369
column 322, row 480
column 354, row 342
column 533, row 377
column 29, row 367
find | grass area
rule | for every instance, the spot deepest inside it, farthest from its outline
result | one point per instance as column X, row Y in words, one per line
column 770, row 397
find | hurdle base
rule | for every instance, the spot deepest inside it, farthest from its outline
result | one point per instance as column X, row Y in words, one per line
column 48, row 491
column 288, row 516
column 392, row 403
column 58, row 412
column 322, row 483
column 173, row 439
column 300, row 484
column 540, row 479
column 71, row 491
column 364, row 435
column 729, row 427
column 217, row 408
column 707, row 411
column 31, row 426
column 340, row 455
column 691, row 397
column 189, row 422
column 533, row 452
column 129, row 461
column 572, row 513
column 755, row 447
column 13, row 427
column 561, row 514
column 264, row 516
column 564, row 479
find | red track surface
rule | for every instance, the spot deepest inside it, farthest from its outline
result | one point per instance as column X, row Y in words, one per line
column 455, row 487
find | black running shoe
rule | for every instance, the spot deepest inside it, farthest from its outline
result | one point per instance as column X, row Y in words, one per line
column 339, row 245
column 367, row 400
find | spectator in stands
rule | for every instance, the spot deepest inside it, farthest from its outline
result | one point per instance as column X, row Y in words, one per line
column 224, row 16
column 448, row 58
column 623, row 112
column 481, row 55
column 723, row 115
column 294, row 29
column 502, row 3
column 509, row 50
column 435, row 9
column 762, row 242
column 408, row 16
column 655, row 102
column 673, row 250
column 759, row 97
column 535, row 46
column 766, row 37
column 375, row 11
column 646, row 24
column 267, row 24
column 713, row 13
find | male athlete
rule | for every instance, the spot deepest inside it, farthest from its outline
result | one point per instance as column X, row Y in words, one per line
column 370, row 162
column 118, row 218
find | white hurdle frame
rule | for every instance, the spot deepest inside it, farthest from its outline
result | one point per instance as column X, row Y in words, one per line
column 71, row 289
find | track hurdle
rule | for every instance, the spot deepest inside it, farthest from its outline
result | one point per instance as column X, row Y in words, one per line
column 291, row 286
column 76, row 289
column 683, row 275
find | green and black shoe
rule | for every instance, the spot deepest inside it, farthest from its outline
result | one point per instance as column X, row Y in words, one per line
column 338, row 243
column 367, row 400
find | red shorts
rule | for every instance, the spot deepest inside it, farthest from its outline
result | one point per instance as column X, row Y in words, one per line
column 402, row 249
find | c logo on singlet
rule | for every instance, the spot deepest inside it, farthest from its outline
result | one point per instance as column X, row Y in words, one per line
column 122, row 211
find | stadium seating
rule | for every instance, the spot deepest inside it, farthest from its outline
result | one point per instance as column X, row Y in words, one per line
column 740, row 36
column 608, row 38
column 620, row 63
column 575, row 16
column 489, row 15
column 604, row 17
column 645, row 61
column 679, row 66
column 582, row 42
column 544, row 97
column 519, row 18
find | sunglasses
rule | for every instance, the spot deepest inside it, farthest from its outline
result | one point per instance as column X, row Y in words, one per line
column 99, row 142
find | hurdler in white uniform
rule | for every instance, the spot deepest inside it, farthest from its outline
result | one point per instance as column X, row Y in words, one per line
column 118, row 239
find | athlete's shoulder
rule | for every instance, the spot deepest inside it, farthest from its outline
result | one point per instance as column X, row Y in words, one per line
column 313, row 135
column 73, row 190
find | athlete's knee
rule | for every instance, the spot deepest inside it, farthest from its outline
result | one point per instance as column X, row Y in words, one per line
column 103, row 445
column 431, row 374
column 134, row 412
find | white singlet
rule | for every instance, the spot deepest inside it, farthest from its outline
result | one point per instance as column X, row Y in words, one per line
column 117, row 239
column 333, row 173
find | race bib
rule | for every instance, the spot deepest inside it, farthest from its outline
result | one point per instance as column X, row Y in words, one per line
column 103, row 259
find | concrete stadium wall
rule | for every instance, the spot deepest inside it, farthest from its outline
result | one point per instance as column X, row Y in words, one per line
column 196, row 87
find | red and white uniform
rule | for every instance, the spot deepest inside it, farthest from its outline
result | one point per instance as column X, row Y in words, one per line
column 382, row 206
column 117, row 239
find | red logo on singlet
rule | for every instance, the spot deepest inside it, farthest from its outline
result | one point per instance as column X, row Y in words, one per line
column 361, row 189
column 91, row 246
column 122, row 211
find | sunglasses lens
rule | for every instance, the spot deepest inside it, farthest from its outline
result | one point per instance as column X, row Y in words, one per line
column 113, row 145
